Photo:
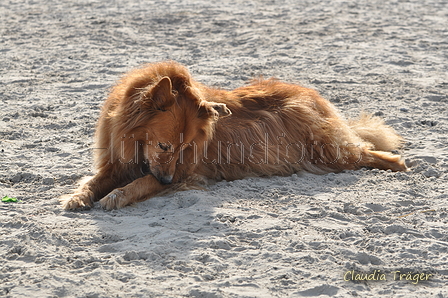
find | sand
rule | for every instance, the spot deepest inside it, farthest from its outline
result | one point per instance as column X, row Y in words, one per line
column 299, row 236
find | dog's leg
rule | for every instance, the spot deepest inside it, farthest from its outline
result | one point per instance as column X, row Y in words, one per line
column 383, row 161
column 90, row 190
column 138, row 190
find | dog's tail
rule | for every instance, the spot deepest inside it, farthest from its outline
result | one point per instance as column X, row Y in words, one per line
column 372, row 129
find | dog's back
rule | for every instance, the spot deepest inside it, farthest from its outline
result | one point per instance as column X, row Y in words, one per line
column 279, row 129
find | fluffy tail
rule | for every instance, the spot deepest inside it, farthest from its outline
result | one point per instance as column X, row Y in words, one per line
column 372, row 129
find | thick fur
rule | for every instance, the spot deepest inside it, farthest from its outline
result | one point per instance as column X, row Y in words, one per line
column 374, row 130
column 159, row 131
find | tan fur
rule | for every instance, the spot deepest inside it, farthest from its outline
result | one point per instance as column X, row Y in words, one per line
column 160, row 131
column 374, row 130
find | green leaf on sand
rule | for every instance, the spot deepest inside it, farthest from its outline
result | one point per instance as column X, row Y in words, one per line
column 9, row 199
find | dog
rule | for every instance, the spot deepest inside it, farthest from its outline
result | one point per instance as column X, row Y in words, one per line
column 160, row 131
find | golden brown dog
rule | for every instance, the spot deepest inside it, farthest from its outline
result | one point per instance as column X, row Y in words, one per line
column 160, row 130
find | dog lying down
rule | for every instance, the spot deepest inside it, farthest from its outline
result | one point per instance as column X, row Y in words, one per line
column 161, row 131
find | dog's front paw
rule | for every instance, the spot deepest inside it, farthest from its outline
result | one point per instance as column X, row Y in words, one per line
column 79, row 201
column 114, row 200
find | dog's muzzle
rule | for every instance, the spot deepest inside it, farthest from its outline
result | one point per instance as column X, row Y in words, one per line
column 165, row 180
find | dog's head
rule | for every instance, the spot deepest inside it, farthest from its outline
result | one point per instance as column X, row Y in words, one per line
column 174, row 119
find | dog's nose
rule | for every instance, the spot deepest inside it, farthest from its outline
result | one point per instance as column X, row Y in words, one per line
column 165, row 180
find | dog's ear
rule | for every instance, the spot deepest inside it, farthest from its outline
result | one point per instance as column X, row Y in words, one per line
column 213, row 108
column 160, row 96
column 222, row 109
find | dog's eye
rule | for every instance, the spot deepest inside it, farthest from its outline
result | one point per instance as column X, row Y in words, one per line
column 164, row 146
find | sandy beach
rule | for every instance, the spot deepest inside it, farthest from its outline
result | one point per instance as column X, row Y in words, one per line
column 366, row 233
